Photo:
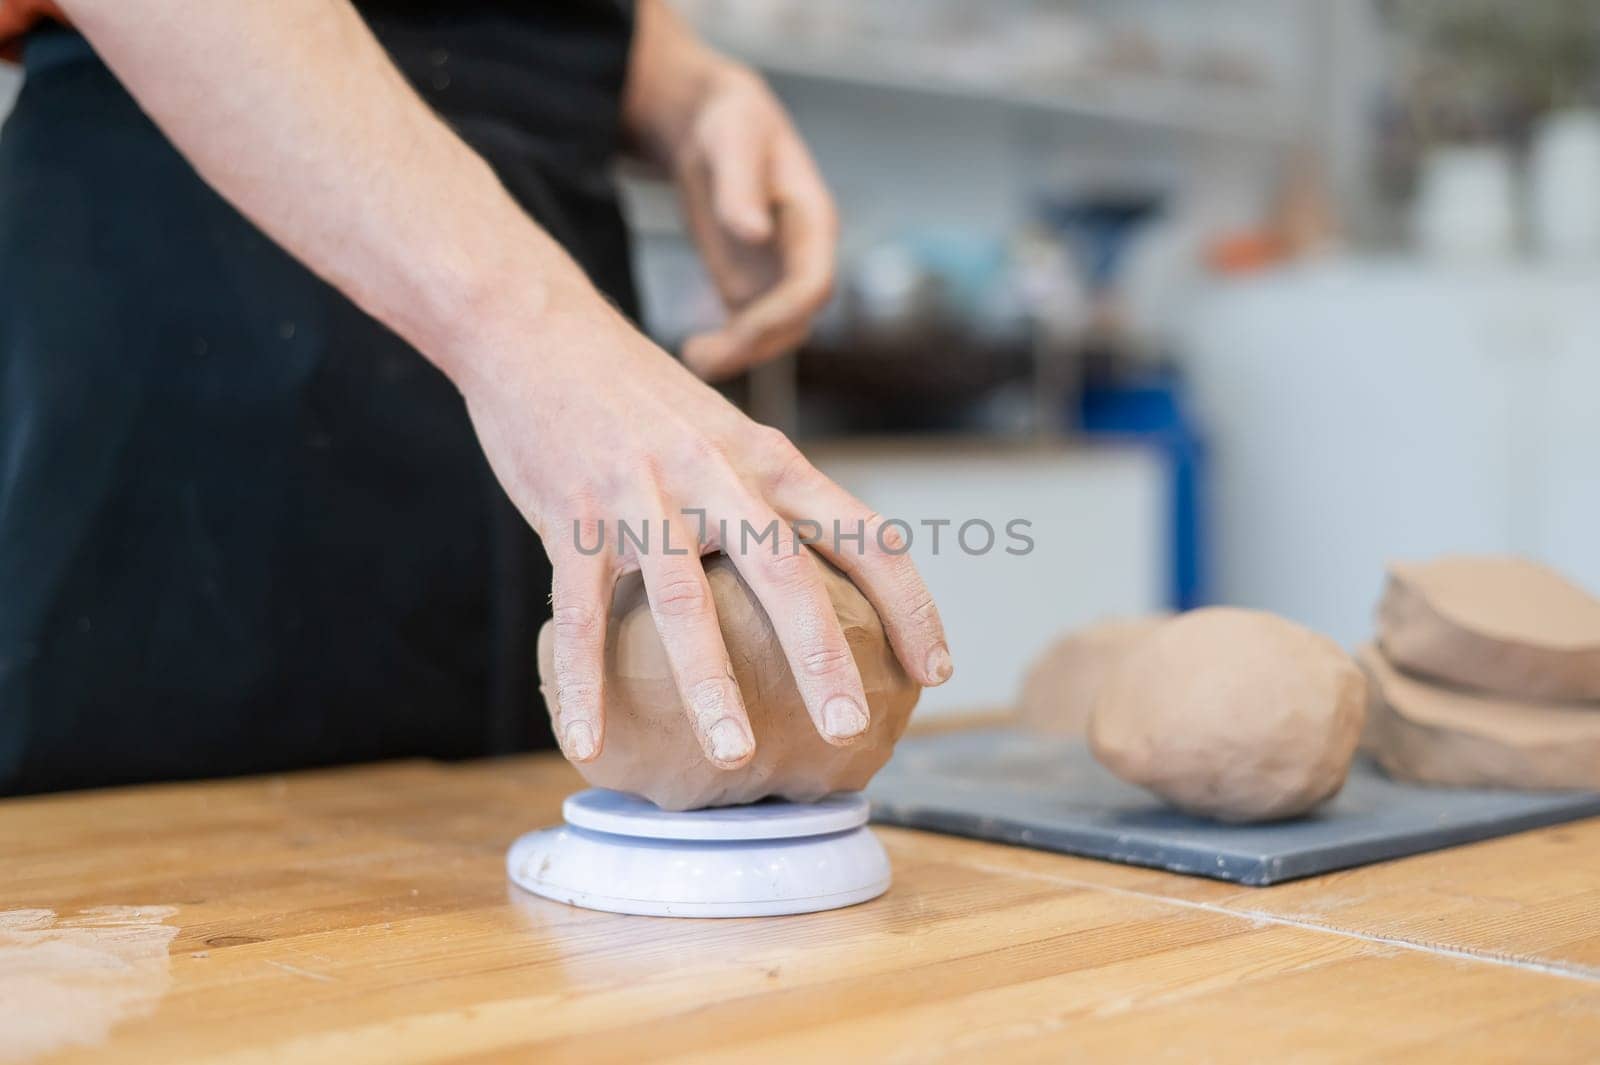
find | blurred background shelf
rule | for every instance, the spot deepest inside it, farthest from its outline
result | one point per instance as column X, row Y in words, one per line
column 1159, row 103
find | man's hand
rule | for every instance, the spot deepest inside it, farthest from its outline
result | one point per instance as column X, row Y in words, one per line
column 588, row 424
column 753, row 200
column 763, row 221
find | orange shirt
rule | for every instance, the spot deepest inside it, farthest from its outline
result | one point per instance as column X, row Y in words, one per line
column 17, row 17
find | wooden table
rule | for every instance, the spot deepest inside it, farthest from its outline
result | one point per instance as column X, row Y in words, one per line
column 363, row 915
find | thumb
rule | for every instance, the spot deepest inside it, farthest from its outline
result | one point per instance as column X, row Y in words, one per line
column 739, row 194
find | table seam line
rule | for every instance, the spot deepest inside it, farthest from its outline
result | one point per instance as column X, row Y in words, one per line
column 1582, row 973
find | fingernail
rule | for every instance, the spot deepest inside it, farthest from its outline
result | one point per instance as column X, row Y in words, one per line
column 939, row 665
column 729, row 742
column 580, row 741
column 843, row 718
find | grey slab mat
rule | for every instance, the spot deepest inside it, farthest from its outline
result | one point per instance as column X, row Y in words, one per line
column 1049, row 793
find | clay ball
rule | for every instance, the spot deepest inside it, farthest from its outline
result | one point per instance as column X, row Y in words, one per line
column 650, row 748
column 1232, row 714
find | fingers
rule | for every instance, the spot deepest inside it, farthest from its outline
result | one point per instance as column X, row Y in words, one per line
column 875, row 556
column 741, row 269
column 680, row 601
column 778, row 320
column 785, row 578
column 581, row 598
column 739, row 192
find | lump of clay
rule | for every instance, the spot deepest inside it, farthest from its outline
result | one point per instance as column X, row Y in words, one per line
column 1495, row 624
column 1232, row 714
column 650, row 748
column 1430, row 734
column 1059, row 691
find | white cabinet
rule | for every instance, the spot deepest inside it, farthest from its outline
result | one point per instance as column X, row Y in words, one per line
column 1363, row 411
column 1099, row 525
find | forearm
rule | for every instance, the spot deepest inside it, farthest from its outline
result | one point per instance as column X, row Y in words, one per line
column 293, row 113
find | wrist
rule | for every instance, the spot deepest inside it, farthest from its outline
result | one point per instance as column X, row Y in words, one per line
column 497, row 309
column 671, row 75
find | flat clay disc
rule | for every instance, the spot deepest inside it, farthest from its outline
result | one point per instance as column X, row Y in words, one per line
column 1430, row 734
column 1494, row 624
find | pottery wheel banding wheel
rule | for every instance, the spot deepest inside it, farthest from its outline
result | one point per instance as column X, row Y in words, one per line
column 620, row 853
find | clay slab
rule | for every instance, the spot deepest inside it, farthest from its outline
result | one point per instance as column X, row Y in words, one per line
column 1431, row 734
column 1495, row 624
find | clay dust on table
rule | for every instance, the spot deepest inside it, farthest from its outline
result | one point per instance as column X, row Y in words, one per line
column 67, row 981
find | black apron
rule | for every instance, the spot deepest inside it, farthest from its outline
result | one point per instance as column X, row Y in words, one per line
column 243, row 527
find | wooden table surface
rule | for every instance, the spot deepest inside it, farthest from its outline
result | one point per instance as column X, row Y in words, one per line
column 363, row 915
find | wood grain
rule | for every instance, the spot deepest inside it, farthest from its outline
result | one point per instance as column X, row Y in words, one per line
column 363, row 915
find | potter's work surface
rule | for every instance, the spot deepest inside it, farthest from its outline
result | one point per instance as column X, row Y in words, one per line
column 1011, row 786
column 362, row 915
